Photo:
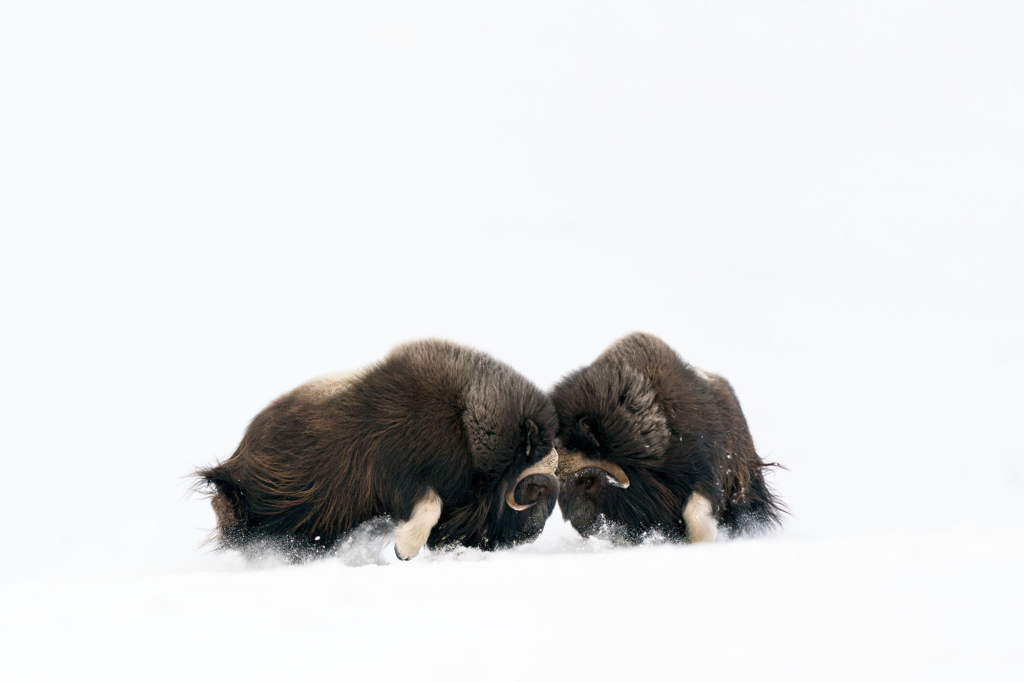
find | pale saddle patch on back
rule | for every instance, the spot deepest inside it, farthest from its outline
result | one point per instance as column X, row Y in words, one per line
column 706, row 376
column 701, row 525
column 411, row 535
column 327, row 385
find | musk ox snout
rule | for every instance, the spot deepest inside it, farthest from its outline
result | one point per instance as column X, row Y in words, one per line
column 585, row 491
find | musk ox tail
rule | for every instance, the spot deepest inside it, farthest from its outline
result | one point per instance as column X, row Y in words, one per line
column 229, row 503
column 758, row 509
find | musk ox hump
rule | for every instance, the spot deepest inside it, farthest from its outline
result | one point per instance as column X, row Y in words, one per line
column 629, row 410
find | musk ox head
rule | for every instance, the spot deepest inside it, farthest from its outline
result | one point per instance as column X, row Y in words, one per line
column 615, row 453
column 510, row 427
column 649, row 443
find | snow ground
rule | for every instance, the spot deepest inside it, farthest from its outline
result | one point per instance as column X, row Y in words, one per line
column 206, row 203
column 889, row 606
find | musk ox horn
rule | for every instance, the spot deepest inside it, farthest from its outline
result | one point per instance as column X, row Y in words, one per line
column 547, row 466
column 572, row 462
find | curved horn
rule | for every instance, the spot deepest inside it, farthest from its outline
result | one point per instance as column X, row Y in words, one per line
column 573, row 462
column 548, row 466
column 510, row 500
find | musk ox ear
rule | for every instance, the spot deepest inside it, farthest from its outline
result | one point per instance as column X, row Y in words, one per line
column 532, row 436
column 587, row 429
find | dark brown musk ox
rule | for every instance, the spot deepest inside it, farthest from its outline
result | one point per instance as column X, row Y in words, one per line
column 649, row 444
column 453, row 445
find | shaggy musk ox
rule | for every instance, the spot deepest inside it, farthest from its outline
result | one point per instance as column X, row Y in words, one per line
column 452, row 444
column 650, row 443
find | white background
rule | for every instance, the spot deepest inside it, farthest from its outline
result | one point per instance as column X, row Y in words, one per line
column 203, row 204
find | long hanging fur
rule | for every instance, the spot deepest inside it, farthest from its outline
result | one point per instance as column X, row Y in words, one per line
column 334, row 453
column 673, row 429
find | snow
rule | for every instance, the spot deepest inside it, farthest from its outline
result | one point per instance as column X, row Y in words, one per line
column 205, row 204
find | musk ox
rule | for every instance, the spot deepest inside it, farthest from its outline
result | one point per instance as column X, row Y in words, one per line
column 450, row 443
column 649, row 443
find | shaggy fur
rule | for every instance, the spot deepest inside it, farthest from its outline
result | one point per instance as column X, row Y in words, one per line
column 335, row 453
column 673, row 430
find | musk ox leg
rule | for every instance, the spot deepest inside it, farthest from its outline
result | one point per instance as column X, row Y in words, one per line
column 412, row 534
column 700, row 522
